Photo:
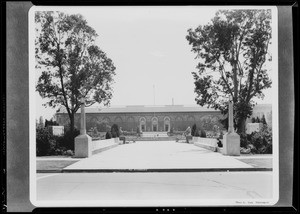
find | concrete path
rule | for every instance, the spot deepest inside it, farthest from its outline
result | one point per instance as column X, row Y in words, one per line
column 157, row 155
column 64, row 189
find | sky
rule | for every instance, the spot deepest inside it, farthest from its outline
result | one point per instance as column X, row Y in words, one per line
column 152, row 57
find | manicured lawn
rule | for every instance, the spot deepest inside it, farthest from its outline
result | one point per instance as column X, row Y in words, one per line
column 258, row 162
column 53, row 164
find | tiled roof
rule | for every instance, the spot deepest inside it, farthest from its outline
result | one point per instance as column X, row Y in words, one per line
column 141, row 108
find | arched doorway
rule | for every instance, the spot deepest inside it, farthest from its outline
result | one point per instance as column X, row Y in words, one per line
column 154, row 124
column 167, row 125
column 143, row 124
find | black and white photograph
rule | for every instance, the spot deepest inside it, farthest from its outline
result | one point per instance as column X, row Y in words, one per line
column 153, row 106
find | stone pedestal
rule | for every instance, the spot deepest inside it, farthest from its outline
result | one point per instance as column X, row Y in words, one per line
column 231, row 144
column 83, row 146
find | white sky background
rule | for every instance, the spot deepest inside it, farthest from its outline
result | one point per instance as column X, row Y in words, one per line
column 148, row 47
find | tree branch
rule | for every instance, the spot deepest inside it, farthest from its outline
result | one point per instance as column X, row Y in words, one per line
column 226, row 82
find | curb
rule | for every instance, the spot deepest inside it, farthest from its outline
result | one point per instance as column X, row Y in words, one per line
column 166, row 170
column 49, row 171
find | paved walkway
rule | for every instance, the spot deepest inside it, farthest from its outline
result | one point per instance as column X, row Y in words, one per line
column 151, row 155
column 177, row 189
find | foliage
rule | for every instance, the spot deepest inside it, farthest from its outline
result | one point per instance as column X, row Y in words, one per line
column 129, row 133
column 93, row 132
column 232, row 50
column 202, row 133
column 257, row 120
column 71, row 65
column 69, row 153
column 194, row 129
column 115, row 131
column 67, row 140
column 172, row 130
column 138, row 131
column 263, row 120
column 198, row 132
column 45, row 143
column 108, row 135
column 48, row 144
column 221, row 135
column 259, row 142
column 50, row 123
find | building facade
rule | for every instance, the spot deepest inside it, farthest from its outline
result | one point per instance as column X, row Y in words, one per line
column 155, row 118
column 146, row 118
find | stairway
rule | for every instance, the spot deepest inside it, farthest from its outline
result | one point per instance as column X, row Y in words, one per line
column 154, row 134
column 167, row 138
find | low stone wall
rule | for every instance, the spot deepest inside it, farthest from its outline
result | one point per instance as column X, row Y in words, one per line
column 207, row 143
column 102, row 145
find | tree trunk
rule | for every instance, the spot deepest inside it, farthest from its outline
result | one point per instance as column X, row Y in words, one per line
column 72, row 124
column 235, row 82
column 242, row 126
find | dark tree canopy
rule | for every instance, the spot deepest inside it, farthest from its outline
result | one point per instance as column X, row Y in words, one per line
column 232, row 50
column 72, row 66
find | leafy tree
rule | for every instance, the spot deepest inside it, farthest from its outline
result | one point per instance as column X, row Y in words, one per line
column 50, row 123
column 71, row 65
column 232, row 50
column 253, row 120
column 263, row 120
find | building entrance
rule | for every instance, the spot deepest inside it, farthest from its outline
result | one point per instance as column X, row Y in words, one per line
column 166, row 127
column 154, row 124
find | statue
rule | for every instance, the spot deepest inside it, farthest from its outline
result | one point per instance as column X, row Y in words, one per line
column 188, row 135
column 187, row 131
column 121, row 131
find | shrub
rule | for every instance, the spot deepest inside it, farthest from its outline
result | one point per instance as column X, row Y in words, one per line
column 172, row 130
column 115, row 131
column 197, row 133
column 93, row 132
column 258, row 142
column 194, row 130
column 50, row 123
column 262, row 140
column 67, row 140
column 244, row 141
column 48, row 144
column 108, row 135
column 45, row 143
column 263, row 120
column 69, row 153
column 257, row 120
column 202, row 133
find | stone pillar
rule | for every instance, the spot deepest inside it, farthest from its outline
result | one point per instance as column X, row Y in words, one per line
column 82, row 118
column 230, row 117
column 231, row 140
column 83, row 142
